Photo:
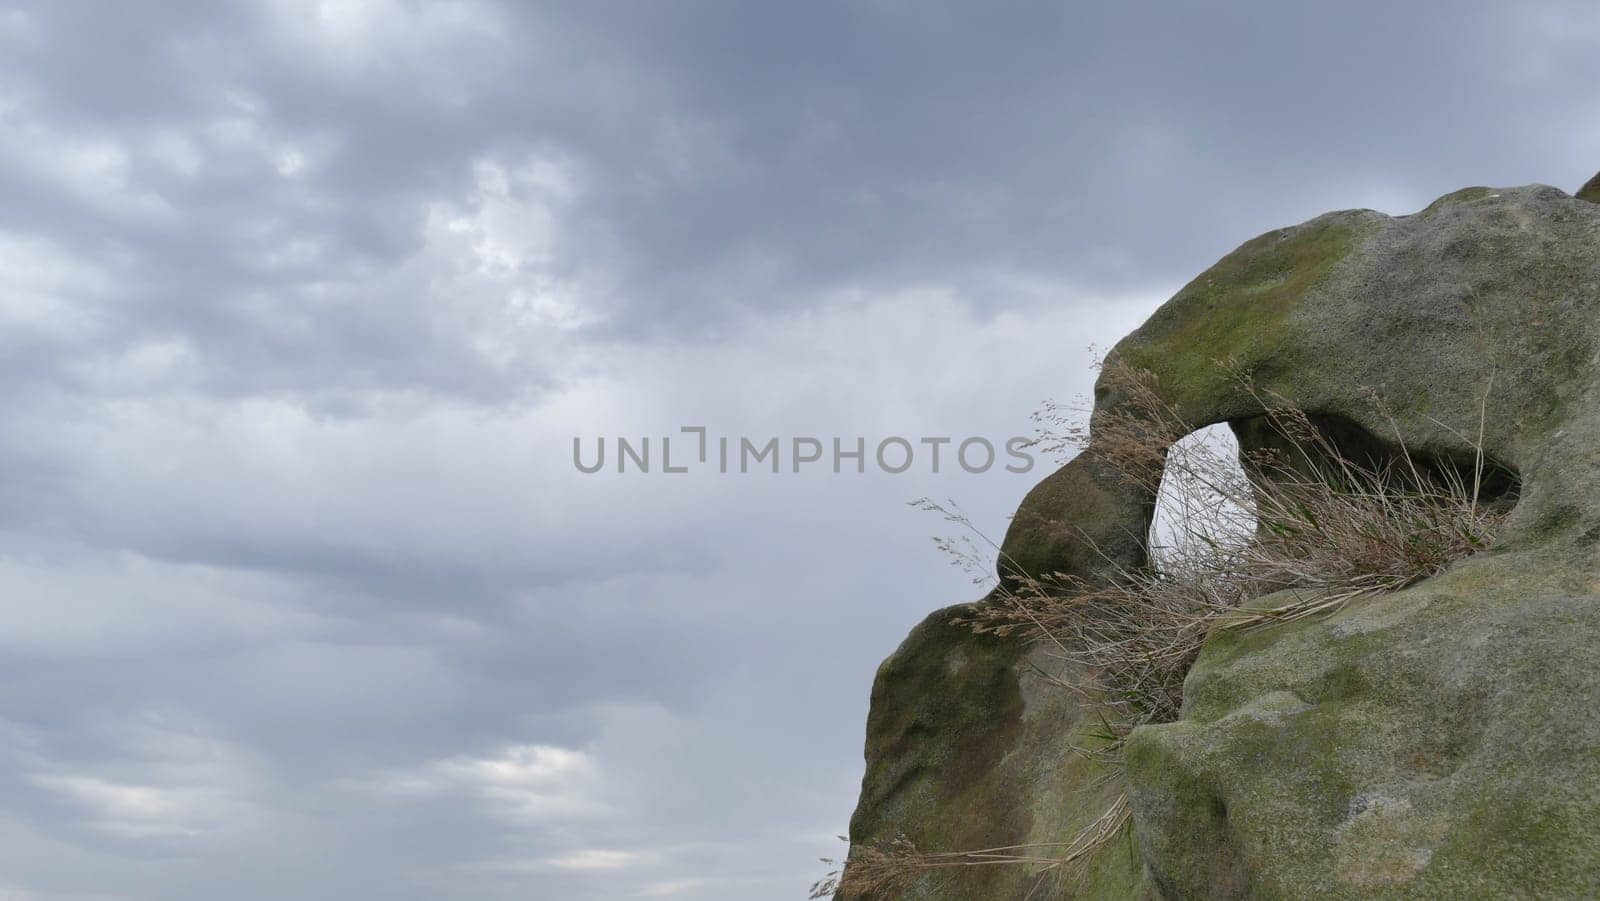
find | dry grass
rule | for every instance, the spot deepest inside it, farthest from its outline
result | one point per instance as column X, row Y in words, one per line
column 1319, row 523
column 1315, row 522
column 885, row 870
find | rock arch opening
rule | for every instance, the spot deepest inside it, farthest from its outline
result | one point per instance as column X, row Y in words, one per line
column 1211, row 487
column 1204, row 496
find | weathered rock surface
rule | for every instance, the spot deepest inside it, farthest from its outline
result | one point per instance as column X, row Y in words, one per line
column 1442, row 741
column 1590, row 191
column 967, row 748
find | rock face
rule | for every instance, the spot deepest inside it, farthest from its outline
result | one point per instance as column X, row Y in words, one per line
column 1590, row 191
column 966, row 748
column 1441, row 741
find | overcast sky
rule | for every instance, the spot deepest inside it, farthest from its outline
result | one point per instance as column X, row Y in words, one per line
column 302, row 304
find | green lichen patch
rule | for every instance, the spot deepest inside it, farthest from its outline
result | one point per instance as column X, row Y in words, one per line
column 968, row 749
column 1465, row 195
column 1239, row 308
column 1419, row 744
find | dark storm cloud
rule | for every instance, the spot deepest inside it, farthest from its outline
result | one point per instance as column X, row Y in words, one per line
column 744, row 156
column 301, row 302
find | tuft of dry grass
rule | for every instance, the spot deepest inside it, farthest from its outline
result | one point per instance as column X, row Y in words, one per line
column 1318, row 522
column 888, row 869
column 1315, row 521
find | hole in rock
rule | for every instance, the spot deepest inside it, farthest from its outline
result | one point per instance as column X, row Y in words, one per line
column 1207, row 496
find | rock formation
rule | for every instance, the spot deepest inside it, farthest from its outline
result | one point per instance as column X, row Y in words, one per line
column 1590, row 191
column 1440, row 741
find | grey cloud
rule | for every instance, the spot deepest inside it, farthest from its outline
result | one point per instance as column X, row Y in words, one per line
column 740, row 157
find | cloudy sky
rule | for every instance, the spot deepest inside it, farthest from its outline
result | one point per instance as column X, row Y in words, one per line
column 302, row 304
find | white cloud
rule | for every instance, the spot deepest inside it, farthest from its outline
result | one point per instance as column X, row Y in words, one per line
column 95, row 169
column 133, row 811
column 529, row 783
column 176, row 151
column 290, row 161
column 146, row 365
column 521, row 784
column 600, row 859
column 360, row 37
column 163, row 777
column 504, row 250
column 45, row 288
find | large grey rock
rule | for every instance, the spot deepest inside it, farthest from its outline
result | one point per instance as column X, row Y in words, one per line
column 1442, row 741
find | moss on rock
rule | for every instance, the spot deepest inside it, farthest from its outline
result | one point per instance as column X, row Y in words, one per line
column 1425, row 743
column 1420, row 744
column 968, row 749
column 1465, row 195
column 1435, row 742
column 1239, row 309
column 1590, row 191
